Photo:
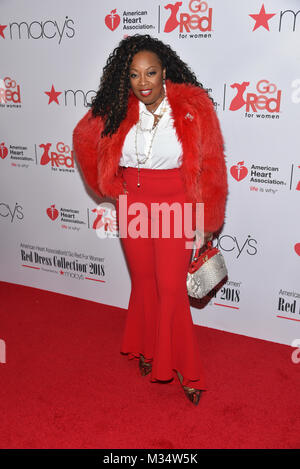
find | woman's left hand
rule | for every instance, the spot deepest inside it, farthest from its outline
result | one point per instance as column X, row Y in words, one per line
column 208, row 235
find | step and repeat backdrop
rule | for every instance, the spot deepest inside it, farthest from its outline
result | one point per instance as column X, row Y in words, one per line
column 55, row 237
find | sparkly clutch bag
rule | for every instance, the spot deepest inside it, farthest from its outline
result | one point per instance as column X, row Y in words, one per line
column 206, row 270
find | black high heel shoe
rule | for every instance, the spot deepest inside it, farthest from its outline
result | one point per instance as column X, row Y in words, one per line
column 145, row 368
column 191, row 393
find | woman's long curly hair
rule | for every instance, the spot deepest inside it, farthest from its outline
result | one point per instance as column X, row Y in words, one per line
column 111, row 99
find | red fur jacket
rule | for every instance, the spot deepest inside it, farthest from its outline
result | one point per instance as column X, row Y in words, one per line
column 197, row 127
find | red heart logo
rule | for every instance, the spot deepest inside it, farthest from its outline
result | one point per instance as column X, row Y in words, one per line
column 239, row 171
column 52, row 212
column 3, row 151
column 112, row 20
column 297, row 248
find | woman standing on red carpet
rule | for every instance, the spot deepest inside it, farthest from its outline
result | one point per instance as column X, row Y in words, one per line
column 152, row 135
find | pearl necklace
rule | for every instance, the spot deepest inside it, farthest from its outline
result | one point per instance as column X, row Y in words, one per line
column 153, row 130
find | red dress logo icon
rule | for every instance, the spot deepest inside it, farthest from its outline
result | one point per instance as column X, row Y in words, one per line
column 112, row 20
column 172, row 22
column 239, row 171
column 298, row 185
column 2, row 27
column 238, row 101
column 45, row 156
column 3, row 150
column 297, row 248
column 52, row 212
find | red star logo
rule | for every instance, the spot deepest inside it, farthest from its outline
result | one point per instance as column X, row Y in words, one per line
column 2, row 27
column 262, row 19
column 53, row 95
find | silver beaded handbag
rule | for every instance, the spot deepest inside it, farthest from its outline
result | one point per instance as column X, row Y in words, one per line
column 205, row 271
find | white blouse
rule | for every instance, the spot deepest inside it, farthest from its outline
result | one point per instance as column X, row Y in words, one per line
column 166, row 151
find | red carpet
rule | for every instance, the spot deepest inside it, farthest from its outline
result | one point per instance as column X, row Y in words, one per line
column 65, row 384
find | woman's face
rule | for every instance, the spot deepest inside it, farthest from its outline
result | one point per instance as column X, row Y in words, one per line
column 146, row 78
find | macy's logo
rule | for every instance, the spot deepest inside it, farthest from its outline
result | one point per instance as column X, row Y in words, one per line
column 258, row 100
column 83, row 96
column 262, row 19
column 189, row 20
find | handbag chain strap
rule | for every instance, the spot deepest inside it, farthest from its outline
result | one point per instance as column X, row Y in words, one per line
column 207, row 245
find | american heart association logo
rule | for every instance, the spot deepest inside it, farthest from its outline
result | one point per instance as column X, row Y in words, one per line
column 239, row 171
column 52, row 212
column 3, row 150
column 297, row 248
column 112, row 20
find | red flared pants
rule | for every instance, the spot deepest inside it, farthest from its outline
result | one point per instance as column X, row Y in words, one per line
column 159, row 323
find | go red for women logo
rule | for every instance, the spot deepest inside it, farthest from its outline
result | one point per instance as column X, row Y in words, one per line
column 105, row 223
column 60, row 157
column 265, row 97
column 199, row 17
column 112, row 20
column 9, row 91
